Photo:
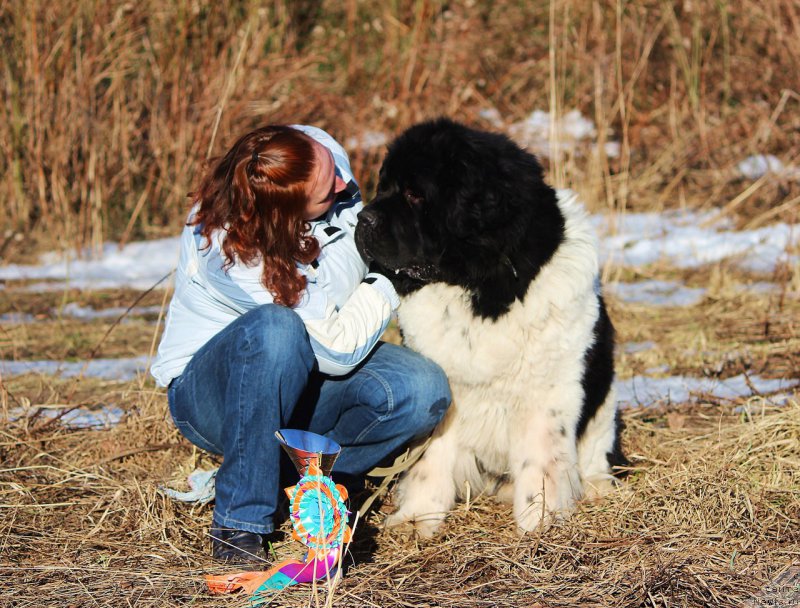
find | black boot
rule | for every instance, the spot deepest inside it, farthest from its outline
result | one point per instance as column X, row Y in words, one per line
column 231, row 545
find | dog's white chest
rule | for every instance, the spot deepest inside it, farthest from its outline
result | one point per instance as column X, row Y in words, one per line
column 438, row 322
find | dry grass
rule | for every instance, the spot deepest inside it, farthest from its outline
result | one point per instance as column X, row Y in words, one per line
column 106, row 113
column 107, row 109
column 707, row 516
column 39, row 325
column 708, row 508
column 730, row 331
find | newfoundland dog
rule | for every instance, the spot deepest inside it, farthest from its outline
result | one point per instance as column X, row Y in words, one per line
column 498, row 278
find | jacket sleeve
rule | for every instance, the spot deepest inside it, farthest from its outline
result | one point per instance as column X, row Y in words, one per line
column 341, row 335
column 342, row 338
column 339, row 268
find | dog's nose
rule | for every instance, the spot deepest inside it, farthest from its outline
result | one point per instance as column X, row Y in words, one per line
column 368, row 217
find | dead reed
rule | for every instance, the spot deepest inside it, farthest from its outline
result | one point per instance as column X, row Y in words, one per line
column 107, row 110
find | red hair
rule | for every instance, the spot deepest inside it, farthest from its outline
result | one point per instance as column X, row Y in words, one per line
column 257, row 194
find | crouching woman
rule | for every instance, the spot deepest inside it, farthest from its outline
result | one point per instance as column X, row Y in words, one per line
column 276, row 320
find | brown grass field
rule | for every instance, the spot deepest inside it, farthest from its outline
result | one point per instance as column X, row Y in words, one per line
column 108, row 112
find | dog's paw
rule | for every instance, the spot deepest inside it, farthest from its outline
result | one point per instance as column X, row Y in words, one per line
column 424, row 497
column 530, row 518
column 421, row 525
column 537, row 511
column 598, row 486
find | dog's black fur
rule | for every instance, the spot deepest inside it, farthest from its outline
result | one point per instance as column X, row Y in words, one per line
column 471, row 208
column 466, row 207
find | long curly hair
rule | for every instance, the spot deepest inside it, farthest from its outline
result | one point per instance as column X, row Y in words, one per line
column 257, row 193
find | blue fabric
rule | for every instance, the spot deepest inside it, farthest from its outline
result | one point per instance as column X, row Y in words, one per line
column 258, row 375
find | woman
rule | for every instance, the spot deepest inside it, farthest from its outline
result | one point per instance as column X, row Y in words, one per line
column 275, row 320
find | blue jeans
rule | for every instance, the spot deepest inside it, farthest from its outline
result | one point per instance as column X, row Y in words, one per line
column 258, row 375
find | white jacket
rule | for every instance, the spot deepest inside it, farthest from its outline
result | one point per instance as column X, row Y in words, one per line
column 344, row 316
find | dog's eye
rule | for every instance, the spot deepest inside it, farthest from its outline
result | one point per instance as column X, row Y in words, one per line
column 412, row 198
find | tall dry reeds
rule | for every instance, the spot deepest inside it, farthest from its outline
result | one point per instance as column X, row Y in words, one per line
column 109, row 108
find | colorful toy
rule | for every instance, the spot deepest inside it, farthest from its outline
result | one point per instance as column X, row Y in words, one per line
column 318, row 514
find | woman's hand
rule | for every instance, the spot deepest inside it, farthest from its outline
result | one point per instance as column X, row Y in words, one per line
column 402, row 283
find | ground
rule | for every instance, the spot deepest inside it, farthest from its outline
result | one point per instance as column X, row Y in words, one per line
column 707, row 515
column 108, row 112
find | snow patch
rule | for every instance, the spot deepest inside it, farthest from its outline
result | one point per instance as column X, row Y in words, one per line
column 108, row 369
column 647, row 391
column 137, row 265
column 687, row 239
column 78, row 418
column 657, row 293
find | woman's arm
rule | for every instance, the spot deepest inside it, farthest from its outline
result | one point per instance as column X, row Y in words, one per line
column 342, row 335
column 342, row 338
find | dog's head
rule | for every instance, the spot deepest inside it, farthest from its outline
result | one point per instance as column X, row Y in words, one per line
column 455, row 205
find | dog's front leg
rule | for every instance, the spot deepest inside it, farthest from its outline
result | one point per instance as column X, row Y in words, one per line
column 543, row 461
column 427, row 491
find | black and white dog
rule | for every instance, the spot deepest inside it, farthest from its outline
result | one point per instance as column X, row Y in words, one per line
column 498, row 277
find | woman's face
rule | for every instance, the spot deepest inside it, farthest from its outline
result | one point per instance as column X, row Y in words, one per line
column 324, row 184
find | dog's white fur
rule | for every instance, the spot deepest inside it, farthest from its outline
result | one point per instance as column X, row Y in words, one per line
column 517, row 392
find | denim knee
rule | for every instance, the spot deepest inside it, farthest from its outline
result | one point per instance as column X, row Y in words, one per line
column 279, row 334
column 419, row 396
column 430, row 396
